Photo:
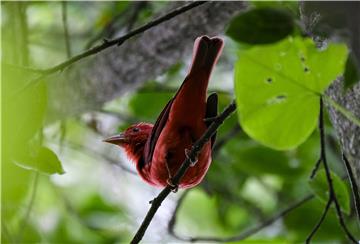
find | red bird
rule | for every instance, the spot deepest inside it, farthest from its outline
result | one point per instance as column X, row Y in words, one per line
column 159, row 150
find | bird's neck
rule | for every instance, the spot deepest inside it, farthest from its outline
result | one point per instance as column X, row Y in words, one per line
column 135, row 151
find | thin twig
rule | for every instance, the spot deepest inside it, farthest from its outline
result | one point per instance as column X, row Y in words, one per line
column 354, row 187
column 328, row 175
column 109, row 29
column 172, row 221
column 122, row 39
column 106, row 44
column 243, row 235
column 106, row 31
column 332, row 194
column 66, row 28
column 316, row 168
column 321, row 220
column 180, row 173
column 138, row 6
column 342, row 221
column 223, row 140
column 29, row 207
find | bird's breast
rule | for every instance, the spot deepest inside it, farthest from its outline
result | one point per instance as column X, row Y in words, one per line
column 169, row 154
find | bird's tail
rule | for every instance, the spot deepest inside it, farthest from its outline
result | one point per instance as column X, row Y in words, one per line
column 206, row 53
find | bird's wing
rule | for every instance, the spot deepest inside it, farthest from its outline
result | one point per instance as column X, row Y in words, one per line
column 211, row 112
column 156, row 131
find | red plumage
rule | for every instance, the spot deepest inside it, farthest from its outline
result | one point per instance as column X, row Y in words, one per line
column 158, row 151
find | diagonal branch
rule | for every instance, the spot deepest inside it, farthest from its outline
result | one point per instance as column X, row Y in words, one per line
column 243, row 235
column 321, row 220
column 180, row 173
column 120, row 40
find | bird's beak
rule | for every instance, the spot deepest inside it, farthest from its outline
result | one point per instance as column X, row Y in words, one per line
column 117, row 139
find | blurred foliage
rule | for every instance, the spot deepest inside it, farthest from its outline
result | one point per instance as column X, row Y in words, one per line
column 321, row 189
column 61, row 184
column 352, row 74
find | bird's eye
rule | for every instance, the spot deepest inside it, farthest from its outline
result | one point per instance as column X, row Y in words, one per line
column 135, row 129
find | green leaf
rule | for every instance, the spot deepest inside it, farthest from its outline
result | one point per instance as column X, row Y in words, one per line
column 352, row 74
column 278, row 86
column 261, row 26
column 44, row 161
column 319, row 186
column 300, row 222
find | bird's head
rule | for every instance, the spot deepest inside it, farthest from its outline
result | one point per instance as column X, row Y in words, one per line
column 133, row 139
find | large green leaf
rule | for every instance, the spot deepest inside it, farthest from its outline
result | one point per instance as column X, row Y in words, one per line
column 278, row 87
column 261, row 26
column 320, row 187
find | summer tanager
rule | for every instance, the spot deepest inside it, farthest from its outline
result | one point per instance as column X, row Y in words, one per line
column 159, row 150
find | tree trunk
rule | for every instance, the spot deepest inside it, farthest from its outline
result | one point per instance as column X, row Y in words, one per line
column 348, row 132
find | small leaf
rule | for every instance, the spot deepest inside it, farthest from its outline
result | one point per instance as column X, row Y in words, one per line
column 44, row 161
column 319, row 186
column 261, row 26
column 278, row 86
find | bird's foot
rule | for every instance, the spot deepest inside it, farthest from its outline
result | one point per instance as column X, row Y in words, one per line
column 174, row 187
column 193, row 161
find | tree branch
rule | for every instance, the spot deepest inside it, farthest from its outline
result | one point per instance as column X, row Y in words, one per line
column 122, row 39
column 316, row 168
column 243, row 235
column 198, row 145
column 115, row 71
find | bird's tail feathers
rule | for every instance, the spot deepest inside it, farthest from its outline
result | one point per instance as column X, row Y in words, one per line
column 206, row 53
